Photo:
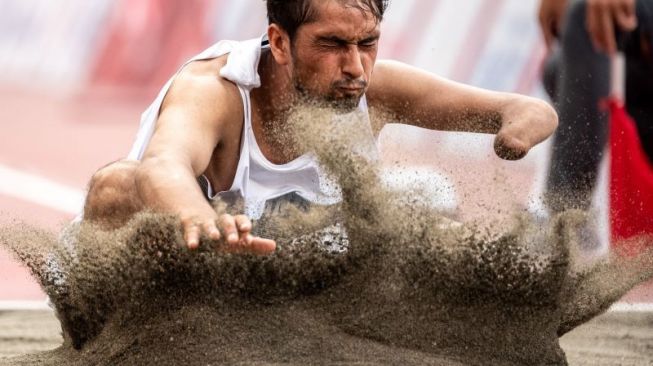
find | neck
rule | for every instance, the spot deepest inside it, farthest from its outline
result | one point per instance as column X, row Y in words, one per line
column 276, row 89
column 271, row 105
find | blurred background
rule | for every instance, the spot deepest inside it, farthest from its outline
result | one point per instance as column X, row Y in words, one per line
column 76, row 74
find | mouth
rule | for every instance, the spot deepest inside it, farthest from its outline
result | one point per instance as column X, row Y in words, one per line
column 351, row 88
column 351, row 91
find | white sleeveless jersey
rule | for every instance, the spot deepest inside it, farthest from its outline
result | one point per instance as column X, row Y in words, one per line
column 257, row 180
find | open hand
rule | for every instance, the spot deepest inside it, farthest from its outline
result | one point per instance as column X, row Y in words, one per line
column 232, row 231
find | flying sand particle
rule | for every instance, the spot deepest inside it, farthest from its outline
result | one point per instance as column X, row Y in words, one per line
column 410, row 287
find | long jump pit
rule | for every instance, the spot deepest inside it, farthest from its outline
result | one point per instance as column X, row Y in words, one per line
column 395, row 282
column 620, row 337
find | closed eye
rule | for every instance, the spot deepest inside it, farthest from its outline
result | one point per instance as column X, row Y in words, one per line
column 332, row 42
column 369, row 42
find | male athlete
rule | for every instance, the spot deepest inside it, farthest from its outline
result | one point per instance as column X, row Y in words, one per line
column 206, row 135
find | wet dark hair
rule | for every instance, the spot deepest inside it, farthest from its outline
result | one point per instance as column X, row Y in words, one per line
column 292, row 14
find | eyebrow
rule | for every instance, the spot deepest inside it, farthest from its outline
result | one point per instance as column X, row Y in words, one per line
column 337, row 39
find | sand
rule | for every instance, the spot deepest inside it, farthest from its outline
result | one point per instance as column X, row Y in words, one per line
column 411, row 288
column 611, row 339
column 24, row 332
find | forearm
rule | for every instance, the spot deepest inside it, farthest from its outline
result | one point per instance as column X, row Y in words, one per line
column 468, row 109
column 169, row 186
column 519, row 122
column 415, row 97
column 419, row 98
column 530, row 119
column 463, row 109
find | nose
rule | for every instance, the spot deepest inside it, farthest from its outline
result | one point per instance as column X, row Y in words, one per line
column 352, row 63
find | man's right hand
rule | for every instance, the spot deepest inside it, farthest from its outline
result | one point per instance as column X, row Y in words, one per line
column 233, row 232
column 190, row 126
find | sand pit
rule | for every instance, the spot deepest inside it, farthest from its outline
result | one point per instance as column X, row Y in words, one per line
column 612, row 339
column 411, row 288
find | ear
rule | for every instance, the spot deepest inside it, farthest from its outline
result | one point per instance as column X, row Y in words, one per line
column 279, row 44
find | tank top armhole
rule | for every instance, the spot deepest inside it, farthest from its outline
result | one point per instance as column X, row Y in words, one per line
column 243, row 160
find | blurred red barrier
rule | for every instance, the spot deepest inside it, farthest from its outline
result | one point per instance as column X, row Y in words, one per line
column 631, row 181
column 147, row 40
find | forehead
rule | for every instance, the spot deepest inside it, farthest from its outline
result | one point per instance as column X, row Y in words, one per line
column 347, row 19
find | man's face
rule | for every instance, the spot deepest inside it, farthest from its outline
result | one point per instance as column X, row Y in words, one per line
column 333, row 56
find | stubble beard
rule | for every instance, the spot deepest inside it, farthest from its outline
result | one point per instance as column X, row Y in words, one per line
column 340, row 105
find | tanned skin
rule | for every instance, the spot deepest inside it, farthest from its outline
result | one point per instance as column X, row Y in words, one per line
column 332, row 58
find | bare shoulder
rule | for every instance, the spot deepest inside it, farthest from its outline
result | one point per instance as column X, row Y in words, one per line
column 200, row 93
column 206, row 72
column 200, row 112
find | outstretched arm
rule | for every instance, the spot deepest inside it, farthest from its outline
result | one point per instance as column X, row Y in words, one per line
column 197, row 112
column 419, row 98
